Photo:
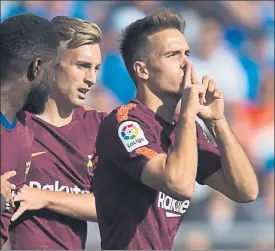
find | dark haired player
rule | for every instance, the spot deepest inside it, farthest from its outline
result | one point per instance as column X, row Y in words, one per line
column 149, row 158
column 29, row 52
column 57, row 200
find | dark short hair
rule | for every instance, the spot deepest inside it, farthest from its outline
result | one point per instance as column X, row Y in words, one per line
column 134, row 39
column 24, row 38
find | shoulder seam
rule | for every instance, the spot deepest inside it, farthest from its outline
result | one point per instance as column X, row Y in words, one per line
column 88, row 108
column 123, row 111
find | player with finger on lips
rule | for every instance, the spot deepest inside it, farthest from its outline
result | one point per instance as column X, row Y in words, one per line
column 148, row 156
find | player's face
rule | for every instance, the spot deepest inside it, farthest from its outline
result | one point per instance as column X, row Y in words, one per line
column 169, row 53
column 39, row 93
column 77, row 72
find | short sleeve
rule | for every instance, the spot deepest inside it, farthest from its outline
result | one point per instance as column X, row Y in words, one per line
column 4, row 226
column 209, row 159
column 133, row 145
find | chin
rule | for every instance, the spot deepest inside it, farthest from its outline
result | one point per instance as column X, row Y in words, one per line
column 79, row 103
column 176, row 93
column 177, row 96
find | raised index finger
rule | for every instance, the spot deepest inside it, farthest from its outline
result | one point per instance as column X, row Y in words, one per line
column 193, row 76
column 187, row 76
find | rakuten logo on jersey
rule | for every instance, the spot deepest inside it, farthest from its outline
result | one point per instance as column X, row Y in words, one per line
column 176, row 207
column 58, row 188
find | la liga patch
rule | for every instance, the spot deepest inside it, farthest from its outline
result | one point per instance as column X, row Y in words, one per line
column 131, row 135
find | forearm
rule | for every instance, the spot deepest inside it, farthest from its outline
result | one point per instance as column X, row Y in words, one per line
column 238, row 172
column 79, row 206
column 182, row 162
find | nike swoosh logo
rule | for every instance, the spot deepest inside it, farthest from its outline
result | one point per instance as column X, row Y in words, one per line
column 169, row 215
column 36, row 154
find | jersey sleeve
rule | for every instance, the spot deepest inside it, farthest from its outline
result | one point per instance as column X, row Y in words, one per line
column 133, row 145
column 209, row 159
column 4, row 226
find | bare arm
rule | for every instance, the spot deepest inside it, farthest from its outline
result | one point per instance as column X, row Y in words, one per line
column 175, row 173
column 236, row 179
column 78, row 206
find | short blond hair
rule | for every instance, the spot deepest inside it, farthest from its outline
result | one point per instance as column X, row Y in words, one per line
column 76, row 31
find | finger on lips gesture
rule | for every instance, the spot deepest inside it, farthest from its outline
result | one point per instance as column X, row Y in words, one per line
column 187, row 76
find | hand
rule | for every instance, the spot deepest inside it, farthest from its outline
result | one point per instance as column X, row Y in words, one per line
column 193, row 94
column 7, row 188
column 30, row 199
column 213, row 107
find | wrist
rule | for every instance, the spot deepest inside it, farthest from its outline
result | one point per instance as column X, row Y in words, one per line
column 46, row 199
column 216, row 125
column 215, row 122
column 188, row 117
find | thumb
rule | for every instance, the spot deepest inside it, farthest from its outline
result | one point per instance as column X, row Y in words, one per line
column 19, row 212
column 8, row 175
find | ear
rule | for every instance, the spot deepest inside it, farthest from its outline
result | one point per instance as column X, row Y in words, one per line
column 141, row 70
column 34, row 70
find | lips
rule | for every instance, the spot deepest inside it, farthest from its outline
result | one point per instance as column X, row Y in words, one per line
column 83, row 92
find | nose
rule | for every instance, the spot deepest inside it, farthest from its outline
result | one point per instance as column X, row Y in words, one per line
column 185, row 61
column 90, row 77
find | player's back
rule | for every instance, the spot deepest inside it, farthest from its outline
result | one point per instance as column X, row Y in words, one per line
column 61, row 162
column 16, row 142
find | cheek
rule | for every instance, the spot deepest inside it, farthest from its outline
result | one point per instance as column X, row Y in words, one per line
column 65, row 73
column 176, row 73
column 66, row 79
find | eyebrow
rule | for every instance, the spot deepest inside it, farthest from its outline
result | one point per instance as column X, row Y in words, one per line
column 87, row 63
column 176, row 52
column 187, row 52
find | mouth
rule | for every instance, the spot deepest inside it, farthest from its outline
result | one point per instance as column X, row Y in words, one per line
column 83, row 92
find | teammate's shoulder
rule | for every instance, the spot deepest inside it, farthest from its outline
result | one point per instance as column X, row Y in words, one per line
column 87, row 112
column 130, row 111
column 119, row 115
column 129, row 115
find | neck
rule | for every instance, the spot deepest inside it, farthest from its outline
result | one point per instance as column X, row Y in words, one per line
column 56, row 113
column 11, row 101
column 164, row 106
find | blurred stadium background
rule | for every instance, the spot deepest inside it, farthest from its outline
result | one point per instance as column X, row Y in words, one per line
column 232, row 42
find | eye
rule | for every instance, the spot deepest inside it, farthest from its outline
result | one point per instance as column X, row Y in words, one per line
column 172, row 54
column 83, row 65
column 187, row 53
column 79, row 66
column 97, row 68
